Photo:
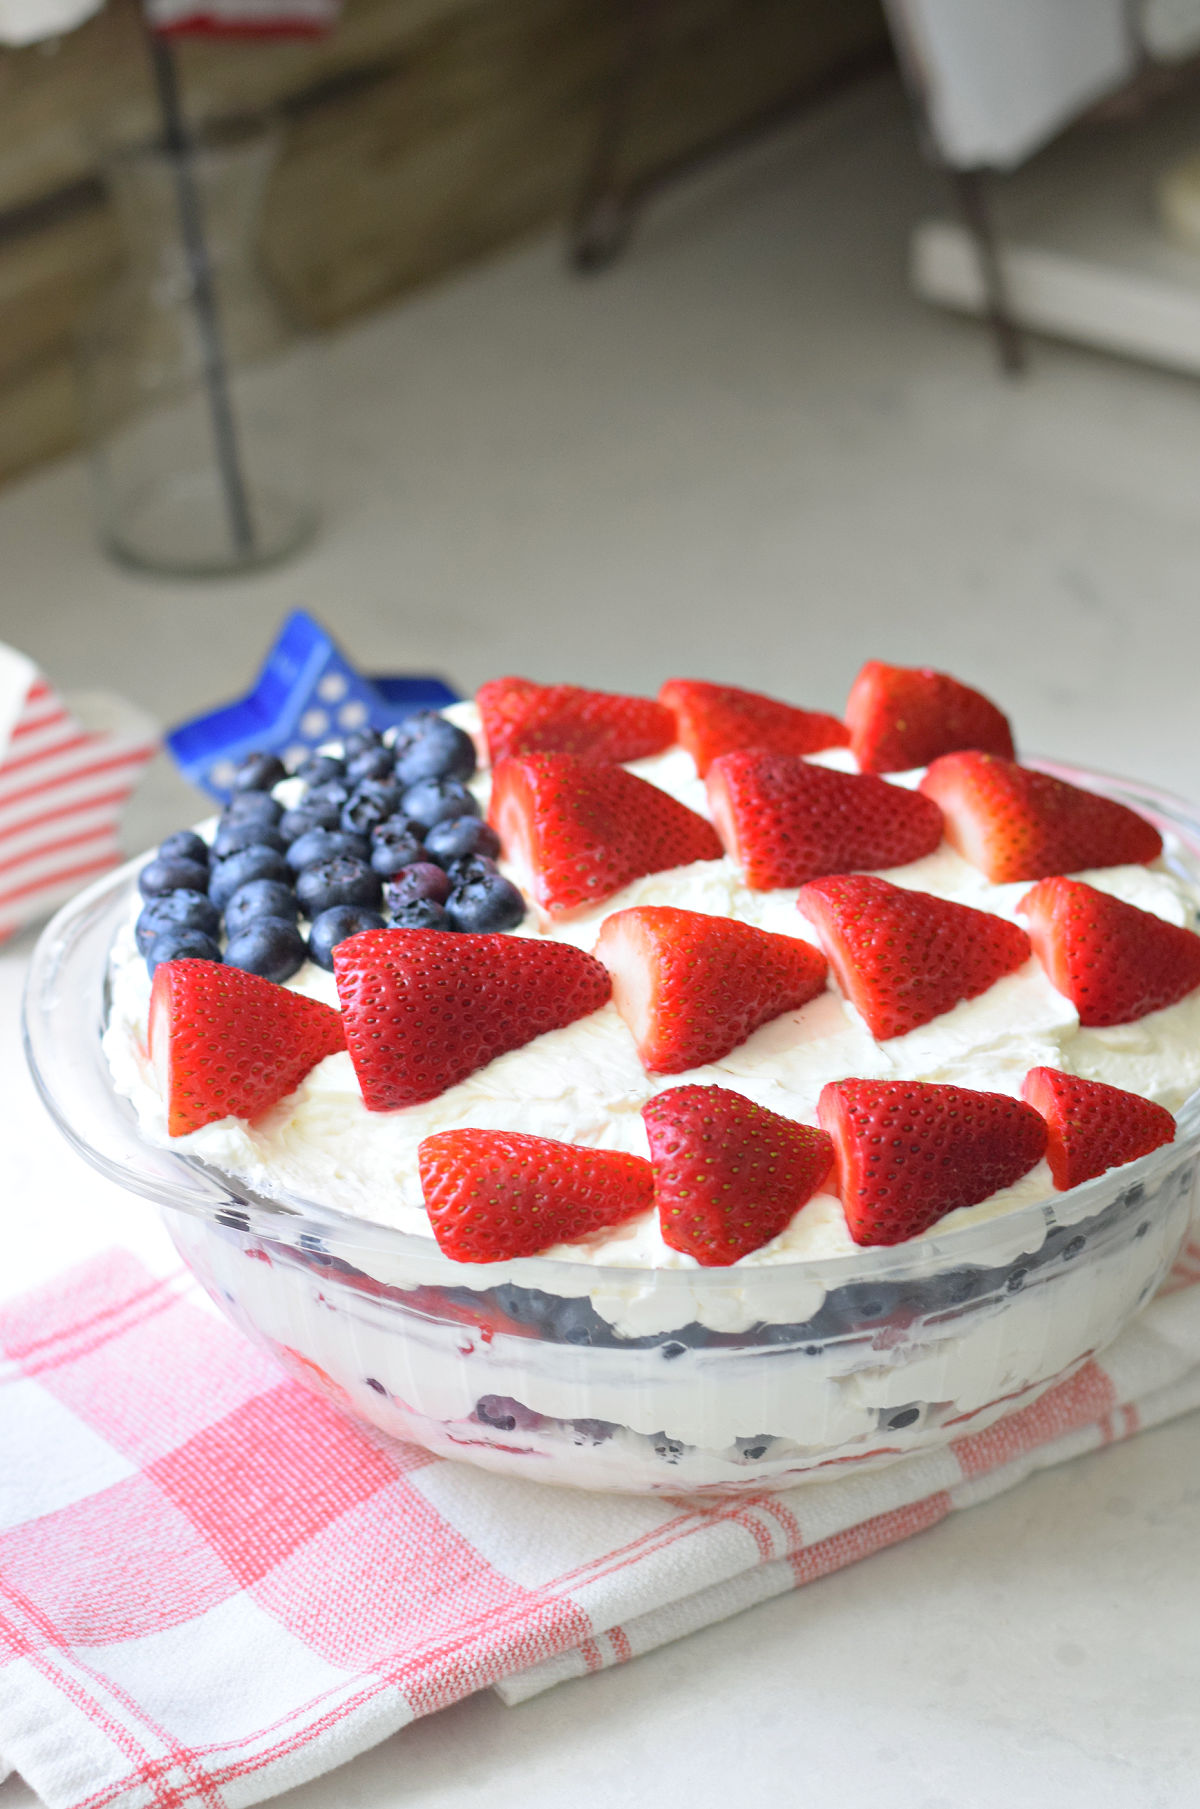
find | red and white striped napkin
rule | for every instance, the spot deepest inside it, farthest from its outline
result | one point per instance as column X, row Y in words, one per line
column 66, row 771
column 243, row 18
column 28, row 21
column 214, row 1587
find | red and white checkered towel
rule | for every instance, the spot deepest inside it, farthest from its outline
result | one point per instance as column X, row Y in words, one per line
column 213, row 1587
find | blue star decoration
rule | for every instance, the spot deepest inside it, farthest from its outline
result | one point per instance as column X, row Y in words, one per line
column 306, row 693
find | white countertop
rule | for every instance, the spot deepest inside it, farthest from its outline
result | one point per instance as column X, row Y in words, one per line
column 745, row 452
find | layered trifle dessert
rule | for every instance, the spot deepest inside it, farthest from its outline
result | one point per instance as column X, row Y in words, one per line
column 755, row 1090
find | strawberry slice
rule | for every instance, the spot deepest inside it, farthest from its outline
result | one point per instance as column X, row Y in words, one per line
column 227, row 1044
column 576, row 832
column 692, row 987
column 1113, row 961
column 903, row 957
column 786, row 821
column 1014, row 823
column 520, row 717
column 1091, row 1127
column 423, row 1009
column 495, row 1195
column 905, row 716
column 719, row 719
column 909, row 1152
column 728, row 1174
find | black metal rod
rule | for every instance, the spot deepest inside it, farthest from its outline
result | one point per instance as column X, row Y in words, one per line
column 971, row 192
column 180, row 148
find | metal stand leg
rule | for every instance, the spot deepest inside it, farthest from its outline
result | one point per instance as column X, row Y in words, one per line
column 178, row 141
column 605, row 211
column 971, row 193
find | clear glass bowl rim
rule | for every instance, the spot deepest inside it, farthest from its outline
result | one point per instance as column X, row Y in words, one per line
column 73, row 1077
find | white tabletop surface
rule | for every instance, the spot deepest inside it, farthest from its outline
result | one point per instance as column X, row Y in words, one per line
column 745, row 452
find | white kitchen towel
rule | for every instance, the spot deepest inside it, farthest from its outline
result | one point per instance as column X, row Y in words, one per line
column 999, row 78
column 28, row 21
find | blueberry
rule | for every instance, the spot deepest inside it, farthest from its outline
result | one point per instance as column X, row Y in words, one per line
column 943, row 1293
column 334, row 926
column 319, row 767
column 454, row 837
column 422, row 914
column 596, row 1432
column 429, row 747
column 902, row 1417
column 173, row 911
column 865, row 1303
column 298, row 821
column 325, row 845
column 229, row 876
column 505, row 1413
column 171, row 874
column 370, row 804
column 369, row 763
column 527, row 1306
column 340, row 881
column 359, row 742
column 232, row 837
column 394, row 847
column 252, row 807
column 578, row 1322
column 334, row 791
column 421, row 880
column 434, row 800
column 181, row 945
column 260, row 898
column 184, row 845
column 271, row 947
column 469, row 867
column 259, row 772
column 485, row 906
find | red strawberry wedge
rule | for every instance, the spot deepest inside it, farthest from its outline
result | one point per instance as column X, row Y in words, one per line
column 576, row 832
column 902, row 716
column 1014, row 823
column 909, row 1152
column 1091, row 1127
column 1113, row 961
column 495, row 1195
column 227, row 1044
column 719, row 719
column 423, row 1009
column 786, row 821
column 728, row 1174
column 692, row 987
column 520, row 717
column 903, row 957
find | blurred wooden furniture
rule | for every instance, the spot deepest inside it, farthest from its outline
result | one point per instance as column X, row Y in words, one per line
column 422, row 135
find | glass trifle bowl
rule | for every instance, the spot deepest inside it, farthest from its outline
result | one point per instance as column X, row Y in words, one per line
column 709, row 1380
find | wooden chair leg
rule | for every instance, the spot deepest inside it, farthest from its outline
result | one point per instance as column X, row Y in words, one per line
column 606, row 209
column 971, row 194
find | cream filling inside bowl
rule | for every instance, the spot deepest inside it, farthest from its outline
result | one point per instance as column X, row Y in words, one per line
column 584, row 1083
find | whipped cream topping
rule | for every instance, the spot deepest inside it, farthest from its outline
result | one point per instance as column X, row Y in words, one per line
column 585, row 1084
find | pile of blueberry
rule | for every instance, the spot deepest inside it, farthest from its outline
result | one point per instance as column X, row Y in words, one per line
column 386, row 833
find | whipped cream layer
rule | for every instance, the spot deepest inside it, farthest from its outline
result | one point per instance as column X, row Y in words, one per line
column 585, row 1084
